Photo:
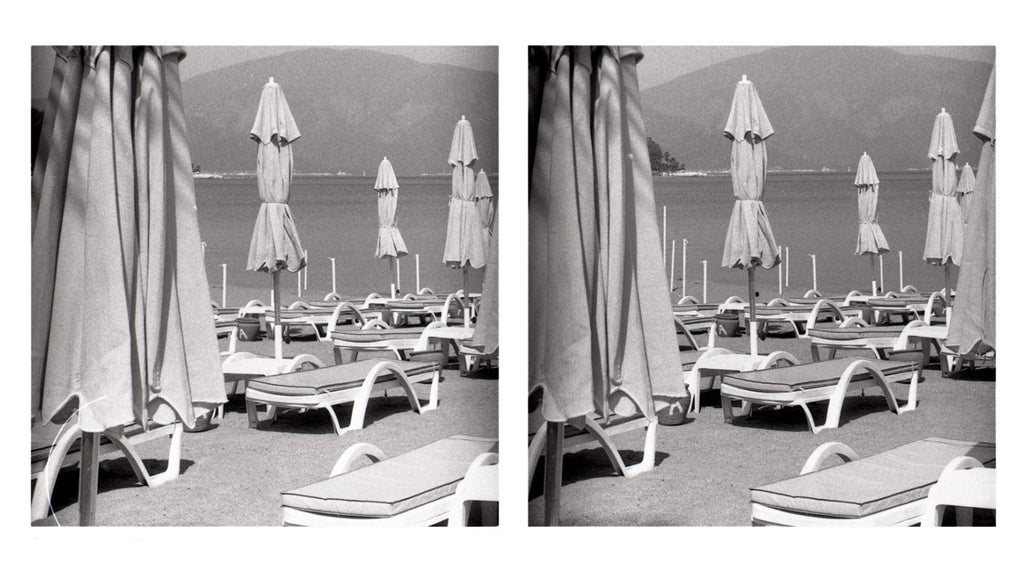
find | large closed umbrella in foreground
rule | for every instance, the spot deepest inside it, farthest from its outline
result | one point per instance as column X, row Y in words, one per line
column 965, row 190
column 390, row 244
column 870, row 239
column 602, row 337
column 972, row 326
column 275, row 244
column 485, row 208
column 945, row 235
column 749, row 242
column 463, row 244
column 121, row 325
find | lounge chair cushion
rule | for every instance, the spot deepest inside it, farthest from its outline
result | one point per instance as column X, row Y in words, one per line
column 333, row 378
column 810, row 376
column 395, row 485
column 377, row 335
column 873, row 484
column 855, row 332
column 413, row 304
column 688, row 358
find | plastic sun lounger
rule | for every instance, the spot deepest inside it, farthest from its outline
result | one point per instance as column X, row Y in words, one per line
column 887, row 489
column 377, row 336
column 340, row 384
column 965, row 483
column 417, row 488
column 855, row 334
column 593, row 428
column 827, row 381
column 712, row 363
column 800, row 317
column 55, row 448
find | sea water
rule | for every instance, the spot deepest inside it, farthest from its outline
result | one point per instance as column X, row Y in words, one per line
column 811, row 213
column 336, row 217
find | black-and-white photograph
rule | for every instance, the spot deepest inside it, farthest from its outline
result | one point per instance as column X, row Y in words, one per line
column 264, row 285
column 762, row 285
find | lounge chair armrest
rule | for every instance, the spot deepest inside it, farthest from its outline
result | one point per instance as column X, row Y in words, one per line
column 824, row 452
column 425, row 290
column 352, row 453
column 854, row 321
column 688, row 299
column 812, row 294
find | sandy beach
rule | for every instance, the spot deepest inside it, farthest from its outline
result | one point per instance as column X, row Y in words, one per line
column 232, row 475
column 706, row 467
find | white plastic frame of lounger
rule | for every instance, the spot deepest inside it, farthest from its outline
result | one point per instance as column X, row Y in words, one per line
column 805, row 319
column 693, row 377
column 359, row 396
column 602, row 434
column 878, row 346
column 59, row 457
column 396, row 345
column 966, row 484
column 479, row 485
column 907, row 514
column 427, row 514
column 834, row 394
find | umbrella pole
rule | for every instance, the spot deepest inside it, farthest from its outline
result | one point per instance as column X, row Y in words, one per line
column 752, row 325
column 874, row 286
column 88, row 479
column 278, row 353
column 465, row 296
column 946, row 274
column 553, row 473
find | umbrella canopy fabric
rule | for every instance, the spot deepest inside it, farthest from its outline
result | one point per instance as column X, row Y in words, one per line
column 464, row 244
column 485, row 208
column 945, row 236
column 749, row 241
column 389, row 240
column 121, row 325
column 602, row 337
column 964, row 189
column 275, row 241
column 973, row 321
column 485, row 336
column 870, row 239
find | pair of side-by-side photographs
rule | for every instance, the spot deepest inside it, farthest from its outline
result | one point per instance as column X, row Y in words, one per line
column 759, row 290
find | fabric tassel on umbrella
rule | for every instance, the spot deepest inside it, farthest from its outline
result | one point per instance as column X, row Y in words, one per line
column 945, row 236
column 870, row 239
column 275, row 244
column 390, row 244
column 485, row 208
column 464, row 244
column 964, row 189
column 121, row 325
column 602, row 337
column 972, row 325
column 749, row 242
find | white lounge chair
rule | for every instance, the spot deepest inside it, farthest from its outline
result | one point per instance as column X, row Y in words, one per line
column 964, row 484
column 829, row 381
column 340, row 384
column 886, row 489
column 417, row 488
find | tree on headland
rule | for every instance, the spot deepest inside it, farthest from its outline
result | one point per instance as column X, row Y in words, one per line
column 661, row 160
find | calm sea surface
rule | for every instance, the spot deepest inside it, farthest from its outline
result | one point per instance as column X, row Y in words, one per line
column 812, row 213
column 336, row 217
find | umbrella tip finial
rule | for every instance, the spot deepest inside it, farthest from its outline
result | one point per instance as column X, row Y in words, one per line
column 943, row 111
column 744, row 79
column 464, row 116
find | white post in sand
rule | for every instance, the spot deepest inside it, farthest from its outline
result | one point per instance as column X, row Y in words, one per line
column 417, row 273
column 814, row 272
column 780, row 280
column 223, row 285
column 881, row 273
column 901, row 272
column 334, row 277
column 305, row 275
column 392, row 290
column 398, row 273
column 683, row 291
column 672, row 270
column 874, row 288
column 272, row 295
column 704, row 265
column 664, row 234
column 298, row 279
column 787, row 266
column 278, row 342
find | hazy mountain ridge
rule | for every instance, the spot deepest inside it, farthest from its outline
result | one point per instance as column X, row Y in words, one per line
column 352, row 107
column 827, row 105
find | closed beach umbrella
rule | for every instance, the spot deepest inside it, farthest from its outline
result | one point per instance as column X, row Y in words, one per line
column 389, row 240
column 602, row 337
column 945, row 236
column 121, row 326
column 485, row 333
column 973, row 321
column 749, row 242
column 275, row 244
column 485, row 208
column 464, row 244
column 964, row 189
column 870, row 239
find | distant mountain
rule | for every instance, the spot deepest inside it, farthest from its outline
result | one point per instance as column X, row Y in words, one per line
column 352, row 107
column 828, row 105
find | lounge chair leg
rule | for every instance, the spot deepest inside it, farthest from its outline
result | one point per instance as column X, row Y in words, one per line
column 252, row 411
